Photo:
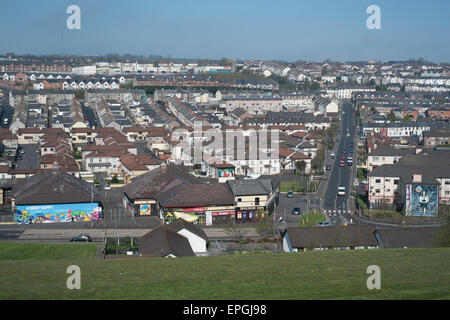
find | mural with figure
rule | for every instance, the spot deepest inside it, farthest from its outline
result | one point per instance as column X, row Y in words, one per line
column 145, row 210
column 422, row 200
column 72, row 212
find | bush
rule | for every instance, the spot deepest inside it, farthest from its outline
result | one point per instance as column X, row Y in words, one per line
column 361, row 204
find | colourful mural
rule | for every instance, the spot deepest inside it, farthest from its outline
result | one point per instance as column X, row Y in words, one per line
column 71, row 212
column 145, row 210
column 187, row 216
column 226, row 173
column 422, row 200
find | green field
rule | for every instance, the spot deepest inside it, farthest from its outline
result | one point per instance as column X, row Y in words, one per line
column 405, row 274
column 37, row 251
column 298, row 186
column 311, row 219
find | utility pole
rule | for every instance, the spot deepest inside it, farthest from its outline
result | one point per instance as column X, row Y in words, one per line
column 307, row 198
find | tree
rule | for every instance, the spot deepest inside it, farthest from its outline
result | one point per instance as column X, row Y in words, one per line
column 407, row 118
column 114, row 179
column 236, row 233
column 391, row 117
column 300, row 165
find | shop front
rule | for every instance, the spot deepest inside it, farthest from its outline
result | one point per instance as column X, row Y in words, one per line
column 250, row 214
column 222, row 217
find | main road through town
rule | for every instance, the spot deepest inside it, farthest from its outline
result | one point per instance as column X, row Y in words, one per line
column 341, row 175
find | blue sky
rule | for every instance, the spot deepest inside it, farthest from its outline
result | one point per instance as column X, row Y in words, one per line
column 247, row 29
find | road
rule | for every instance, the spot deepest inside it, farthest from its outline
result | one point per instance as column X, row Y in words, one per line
column 341, row 176
column 90, row 115
column 30, row 157
column 6, row 112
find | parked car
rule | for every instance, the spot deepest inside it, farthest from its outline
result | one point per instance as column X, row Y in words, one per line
column 107, row 187
column 290, row 194
column 327, row 168
column 349, row 163
column 296, row 211
column 342, row 163
column 324, row 224
column 81, row 238
column 365, row 182
column 332, row 155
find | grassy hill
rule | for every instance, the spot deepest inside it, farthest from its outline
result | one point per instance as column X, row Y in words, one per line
column 405, row 274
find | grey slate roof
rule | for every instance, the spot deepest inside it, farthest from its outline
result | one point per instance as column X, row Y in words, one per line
column 391, row 151
column 163, row 241
column 416, row 237
column 250, row 187
column 54, row 187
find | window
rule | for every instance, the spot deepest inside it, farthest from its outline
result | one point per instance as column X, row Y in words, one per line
column 377, row 190
column 387, row 180
column 239, row 199
column 396, row 181
column 377, row 180
column 256, row 201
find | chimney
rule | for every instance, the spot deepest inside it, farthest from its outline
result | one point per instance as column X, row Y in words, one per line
column 417, row 178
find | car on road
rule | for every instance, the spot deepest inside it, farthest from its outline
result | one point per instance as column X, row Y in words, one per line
column 350, row 158
column 328, row 168
column 351, row 150
column 324, row 224
column 290, row 194
column 81, row 238
column 107, row 187
column 332, row 155
column 342, row 163
column 349, row 163
column 296, row 211
column 341, row 191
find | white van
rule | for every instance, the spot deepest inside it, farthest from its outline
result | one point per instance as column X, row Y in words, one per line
column 341, row 191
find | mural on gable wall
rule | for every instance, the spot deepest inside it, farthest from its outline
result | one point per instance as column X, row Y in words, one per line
column 75, row 212
column 422, row 200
